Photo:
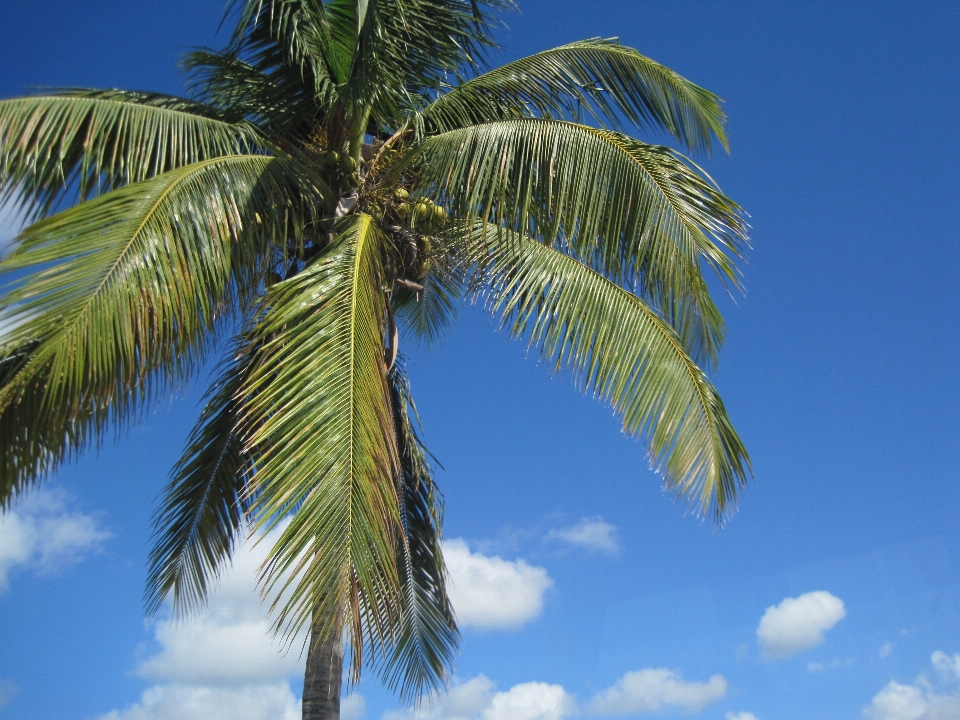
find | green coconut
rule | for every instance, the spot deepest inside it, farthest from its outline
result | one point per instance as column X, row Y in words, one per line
column 422, row 210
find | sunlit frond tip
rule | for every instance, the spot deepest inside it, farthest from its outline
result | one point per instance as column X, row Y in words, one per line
column 620, row 349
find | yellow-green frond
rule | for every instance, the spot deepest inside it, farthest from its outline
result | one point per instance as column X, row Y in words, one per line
column 91, row 141
column 319, row 414
column 111, row 301
column 596, row 79
column 616, row 346
column 640, row 214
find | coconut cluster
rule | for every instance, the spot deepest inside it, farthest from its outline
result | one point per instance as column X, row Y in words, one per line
column 421, row 214
column 417, row 220
column 411, row 222
column 342, row 167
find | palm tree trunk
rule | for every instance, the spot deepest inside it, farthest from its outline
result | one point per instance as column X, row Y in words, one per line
column 324, row 673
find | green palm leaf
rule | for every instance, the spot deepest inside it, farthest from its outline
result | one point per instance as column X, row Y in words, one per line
column 420, row 655
column 371, row 56
column 91, row 141
column 619, row 348
column 598, row 78
column 640, row 214
column 275, row 98
column 202, row 511
column 116, row 299
column 320, row 416
column 279, row 35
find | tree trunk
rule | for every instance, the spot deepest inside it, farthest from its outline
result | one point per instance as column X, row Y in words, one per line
column 323, row 676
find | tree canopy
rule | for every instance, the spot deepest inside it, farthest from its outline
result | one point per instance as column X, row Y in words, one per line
column 343, row 175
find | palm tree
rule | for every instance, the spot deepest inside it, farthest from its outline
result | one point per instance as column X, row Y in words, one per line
column 344, row 174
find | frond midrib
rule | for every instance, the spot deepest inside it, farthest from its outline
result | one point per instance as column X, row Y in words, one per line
column 611, row 138
column 361, row 241
column 607, row 136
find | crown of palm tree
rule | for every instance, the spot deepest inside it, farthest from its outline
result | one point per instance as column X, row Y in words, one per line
column 346, row 168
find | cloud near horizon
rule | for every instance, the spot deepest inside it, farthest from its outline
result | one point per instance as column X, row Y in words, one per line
column 477, row 699
column 798, row 624
column 222, row 664
column 651, row 690
column 928, row 698
column 656, row 690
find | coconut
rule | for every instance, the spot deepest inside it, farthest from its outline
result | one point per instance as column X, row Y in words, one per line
column 422, row 210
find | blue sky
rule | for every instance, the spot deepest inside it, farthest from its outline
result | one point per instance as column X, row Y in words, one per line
column 584, row 591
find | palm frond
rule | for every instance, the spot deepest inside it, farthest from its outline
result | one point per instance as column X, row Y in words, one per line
column 420, row 655
column 201, row 513
column 91, row 141
column 286, row 39
column 616, row 346
column 117, row 299
column 597, row 79
column 275, row 98
column 640, row 214
column 408, row 47
column 368, row 56
column 320, row 416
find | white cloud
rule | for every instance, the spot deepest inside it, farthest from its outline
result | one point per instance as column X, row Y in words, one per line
column 230, row 642
column 463, row 701
column 490, row 592
column 885, row 650
column 649, row 690
column 912, row 702
column 42, row 533
column 224, row 664
column 476, row 699
column 925, row 699
column 946, row 665
column 798, row 624
column 654, row 689
column 353, row 707
column 530, row 701
column 589, row 533
column 273, row 701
